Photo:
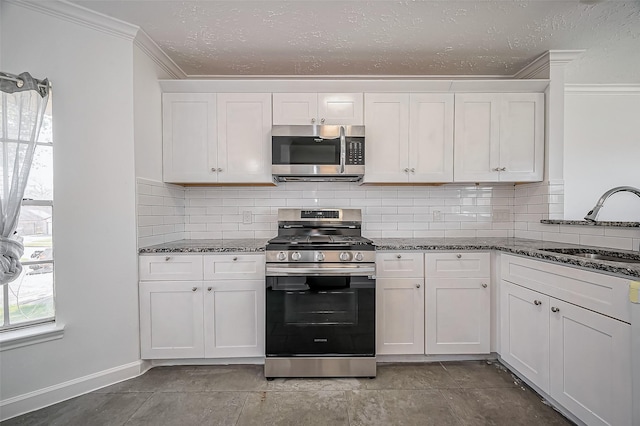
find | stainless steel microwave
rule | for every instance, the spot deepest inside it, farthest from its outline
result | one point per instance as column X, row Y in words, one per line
column 317, row 153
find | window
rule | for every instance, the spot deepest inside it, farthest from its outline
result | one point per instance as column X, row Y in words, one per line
column 29, row 299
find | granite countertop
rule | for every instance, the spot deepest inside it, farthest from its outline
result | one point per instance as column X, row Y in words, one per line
column 521, row 246
column 207, row 246
column 588, row 223
column 525, row 247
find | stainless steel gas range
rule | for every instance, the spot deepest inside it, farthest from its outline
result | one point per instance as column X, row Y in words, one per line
column 320, row 296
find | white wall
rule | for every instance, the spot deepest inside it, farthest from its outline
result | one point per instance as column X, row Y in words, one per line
column 602, row 151
column 94, row 213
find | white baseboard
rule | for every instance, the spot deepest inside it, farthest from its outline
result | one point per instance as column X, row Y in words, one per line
column 41, row 398
column 434, row 358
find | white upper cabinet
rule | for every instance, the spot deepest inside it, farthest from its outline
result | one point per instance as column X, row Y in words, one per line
column 244, row 137
column 317, row 108
column 223, row 138
column 409, row 137
column 499, row 137
column 189, row 139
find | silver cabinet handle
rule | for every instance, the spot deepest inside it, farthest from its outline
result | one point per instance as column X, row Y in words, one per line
column 537, row 302
column 235, row 258
column 554, row 309
column 194, row 288
column 399, row 256
column 417, row 285
column 459, row 256
column 209, row 288
column 413, row 170
column 406, row 170
column 496, row 169
column 322, row 120
column 166, row 259
column 503, row 169
column 484, row 285
column 213, row 169
column 219, row 170
column 313, row 120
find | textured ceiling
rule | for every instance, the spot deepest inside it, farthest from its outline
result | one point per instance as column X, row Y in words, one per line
column 320, row 38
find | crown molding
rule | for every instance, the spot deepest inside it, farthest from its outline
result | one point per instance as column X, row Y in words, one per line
column 157, row 55
column 602, row 89
column 541, row 66
column 79, row 15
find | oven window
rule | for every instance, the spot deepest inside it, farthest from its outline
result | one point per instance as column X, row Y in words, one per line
column 305, row 150
column 339, row 307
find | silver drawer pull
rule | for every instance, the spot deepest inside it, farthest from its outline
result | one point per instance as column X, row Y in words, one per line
column 554, row 309
column 417, row 285
column 484, row 285
column 194, row 288
column 537, row 302
column 459, row 256
column 399, row 256
column 209, row 288
column 166, row 259
column 235, row 258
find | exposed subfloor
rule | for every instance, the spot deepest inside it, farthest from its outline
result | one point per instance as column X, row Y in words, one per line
column 448, row 393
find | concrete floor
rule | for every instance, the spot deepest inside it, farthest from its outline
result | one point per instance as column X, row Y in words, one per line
column 452, row 393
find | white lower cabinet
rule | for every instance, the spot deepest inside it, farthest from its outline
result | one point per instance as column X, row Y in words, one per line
column 580, row 358
column 171, row 319
column 208, row 317
column 399, row 316
column 457, row 303
column 234, row 319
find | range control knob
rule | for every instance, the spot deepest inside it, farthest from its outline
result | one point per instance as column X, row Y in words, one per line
column 296, row 255
column 359, row 256
column 344, row 256
column 320, row 256
column 282, row 256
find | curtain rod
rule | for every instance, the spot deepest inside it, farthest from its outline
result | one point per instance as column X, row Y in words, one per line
column 19, row 82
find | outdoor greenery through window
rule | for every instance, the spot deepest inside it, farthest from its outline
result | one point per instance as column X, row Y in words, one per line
column 30, row 298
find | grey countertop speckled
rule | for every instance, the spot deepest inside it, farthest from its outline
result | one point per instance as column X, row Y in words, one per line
column 588, row 223
column 524, row 247
column 207, row 246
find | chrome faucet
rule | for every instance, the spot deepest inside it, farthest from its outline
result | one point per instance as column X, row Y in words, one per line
column 593, row 213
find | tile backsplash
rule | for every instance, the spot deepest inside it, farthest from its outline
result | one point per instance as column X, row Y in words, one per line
column 170, row 212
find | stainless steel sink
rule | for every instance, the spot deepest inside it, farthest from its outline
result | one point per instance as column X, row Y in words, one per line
column 592, row 254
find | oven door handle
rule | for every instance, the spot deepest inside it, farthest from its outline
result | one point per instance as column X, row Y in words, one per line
column 280, row 271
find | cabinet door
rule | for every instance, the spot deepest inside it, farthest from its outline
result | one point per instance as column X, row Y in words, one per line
column 295, row 108
column 430, row 138
column 340, row 108
column 189, row 144
column 522, row 137
column 387, row 142
column 476, row 143
column 524, row 332
column 590, row 364
column 457, row 316
column 400, row 316
column 234, row 318
column 171, row 319
column 244, row 137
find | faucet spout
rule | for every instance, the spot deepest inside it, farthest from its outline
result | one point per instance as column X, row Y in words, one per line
column 593, row 213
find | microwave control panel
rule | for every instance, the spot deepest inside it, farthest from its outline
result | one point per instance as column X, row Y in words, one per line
column 355, row 151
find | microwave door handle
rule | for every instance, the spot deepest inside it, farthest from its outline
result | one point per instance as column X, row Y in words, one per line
column 343, row 150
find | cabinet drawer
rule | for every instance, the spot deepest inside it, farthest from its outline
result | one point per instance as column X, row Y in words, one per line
column 400, row 265
column 234, row 266
column 598, row 292
column 170, row 267
column 458, row 265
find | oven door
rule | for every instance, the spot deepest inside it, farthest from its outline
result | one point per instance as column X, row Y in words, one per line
column 313, row 315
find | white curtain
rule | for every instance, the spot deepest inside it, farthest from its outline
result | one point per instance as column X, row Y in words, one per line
column 22, row 105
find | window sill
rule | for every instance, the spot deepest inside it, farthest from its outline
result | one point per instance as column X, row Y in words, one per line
column 30, row 336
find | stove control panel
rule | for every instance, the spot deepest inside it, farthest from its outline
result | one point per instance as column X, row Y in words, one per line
column 327, row 256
